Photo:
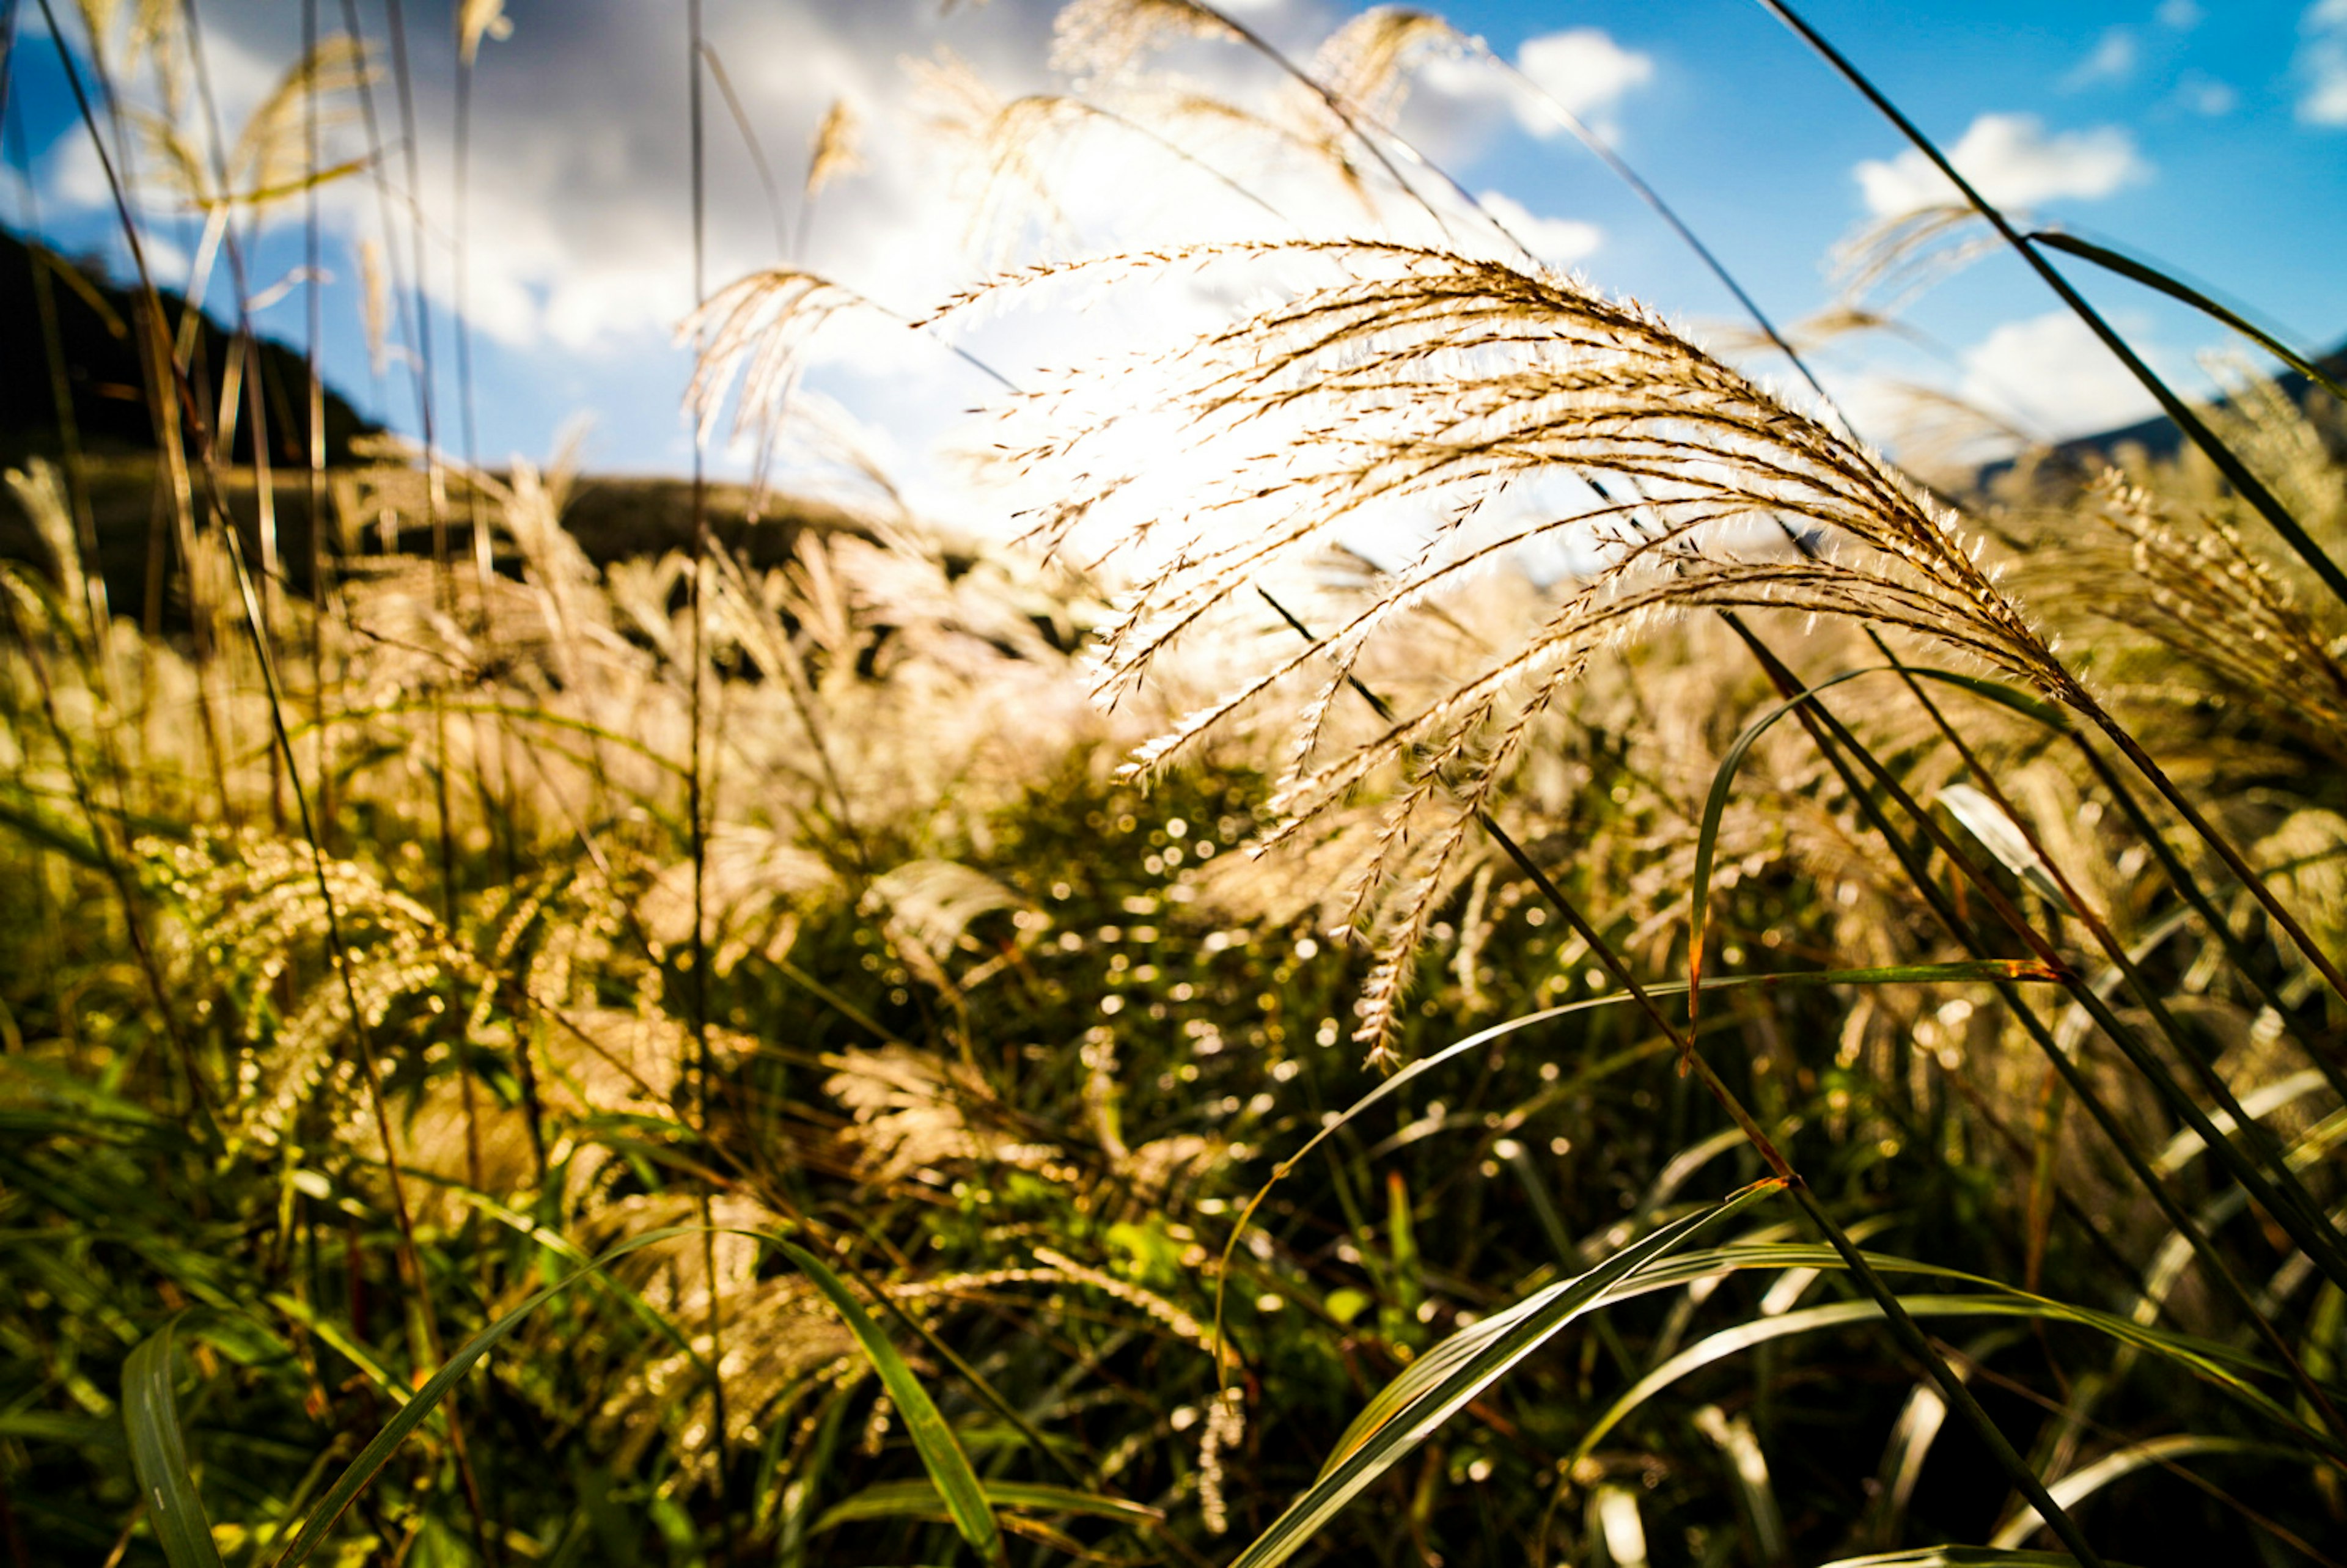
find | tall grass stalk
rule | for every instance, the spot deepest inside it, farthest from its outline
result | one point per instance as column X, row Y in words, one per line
column 173, row 397
column 2195, row 428
column 1911, row 1338
column 2237, row 472
column 697, row 785
column 2307, row 1224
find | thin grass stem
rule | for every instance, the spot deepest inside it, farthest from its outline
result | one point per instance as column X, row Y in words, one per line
column 1903, row 1327
column 2237, row 473
column 1833, row 740
column 2253, row 1133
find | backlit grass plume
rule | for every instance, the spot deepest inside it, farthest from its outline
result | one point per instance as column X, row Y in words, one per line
column 1365, row 63
column 268, row 161
column 1106, row 38
column 1410, row 388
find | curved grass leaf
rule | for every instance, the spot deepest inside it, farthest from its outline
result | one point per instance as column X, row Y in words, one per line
column 2003, row 837
column 150, row 1415
column 1715, row 805
column 921, row 1500
column 1962, row 1557
column 931, row 1437
column 1443, row 1382
column 2225, row 1365
column 1896, row 974
column 2188, row 1144
column 2082, row 1483
column 2175, row 1250
column 947, row 1466
column 2203, row 1360
column 409, row 1416
column 2153, row 278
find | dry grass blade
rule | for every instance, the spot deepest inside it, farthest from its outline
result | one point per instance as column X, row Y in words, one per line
column 141, row 30
column 1012, row 144
column 476, row 20
column 270, row 158
column 755, row 331
column 374, row 306
column 1887, row 263
column 837, row 148
column 1365, row 63
column 1106, row 38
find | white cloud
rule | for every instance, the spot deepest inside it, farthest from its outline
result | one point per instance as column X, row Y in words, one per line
column 2051, row 376
column 15, row 195
column 2205, row 95
column 2112, row 59
column 1582, row 68
column 2012, row 161
column 2181, row 14
column 1559, row 241
column 168, row 264
column 2322, row 62
column 2325, row 102
column 72, row 175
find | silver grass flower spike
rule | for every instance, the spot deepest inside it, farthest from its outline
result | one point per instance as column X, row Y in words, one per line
column 1417, row 384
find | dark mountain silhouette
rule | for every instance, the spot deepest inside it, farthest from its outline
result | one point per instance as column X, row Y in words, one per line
column 2158, row 437
column 97, row 326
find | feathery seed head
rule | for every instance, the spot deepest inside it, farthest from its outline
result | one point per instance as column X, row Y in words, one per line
column 1106, row 38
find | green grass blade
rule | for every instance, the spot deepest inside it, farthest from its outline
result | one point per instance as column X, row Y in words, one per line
column 378, row 1451
column 2001, row 836
column 1442, row 1382
column 947, row 1466
column 2208, row 1362
column 920, row 1500
column 150, row 1415
column 2152, row 277
column 1985, row 969
column 1723, row 781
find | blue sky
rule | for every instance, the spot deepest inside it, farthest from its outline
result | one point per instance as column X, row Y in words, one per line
column 2212, row 136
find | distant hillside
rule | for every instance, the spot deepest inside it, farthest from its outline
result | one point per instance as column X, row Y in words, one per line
column 2158, row 437
column 612, row 517
column 94, row 322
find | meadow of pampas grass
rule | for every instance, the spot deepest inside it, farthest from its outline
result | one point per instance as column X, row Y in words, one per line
column 1490, row 915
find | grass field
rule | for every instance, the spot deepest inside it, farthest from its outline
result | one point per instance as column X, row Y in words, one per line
column 645, row 1021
